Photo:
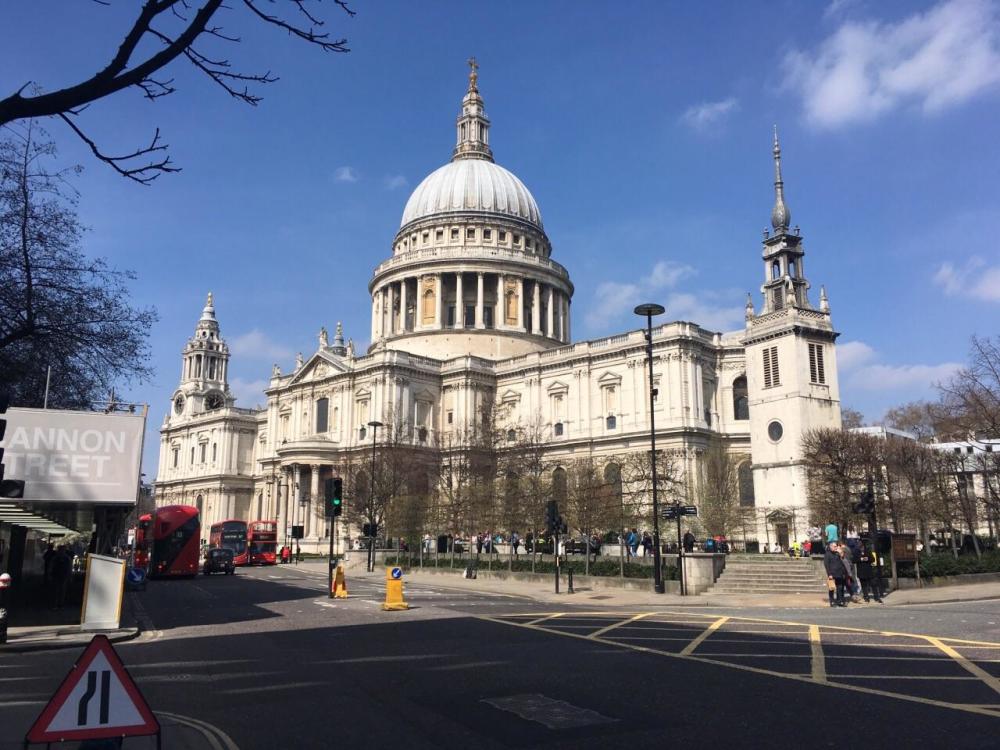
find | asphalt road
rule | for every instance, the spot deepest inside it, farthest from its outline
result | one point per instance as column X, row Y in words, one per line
column 264, row 660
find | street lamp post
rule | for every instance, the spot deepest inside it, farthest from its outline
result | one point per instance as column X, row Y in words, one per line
column 648, row 310
column 373, row 530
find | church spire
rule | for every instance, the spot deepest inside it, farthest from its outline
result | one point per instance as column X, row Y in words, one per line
column 781, row 216
column 473, row 136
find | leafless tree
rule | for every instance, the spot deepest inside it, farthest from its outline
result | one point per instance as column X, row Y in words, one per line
column 972, row 397
column 851, row 418
column 719, row 490
column 164, row 32
column 58, row 307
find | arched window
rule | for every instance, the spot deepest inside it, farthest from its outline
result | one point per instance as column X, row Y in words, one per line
column 198, row 502
column 741, row 401
column 745, row 477
column 511, row 436
column 776, row 270
column 613, row 478
column 322, row 414
column 559, row 485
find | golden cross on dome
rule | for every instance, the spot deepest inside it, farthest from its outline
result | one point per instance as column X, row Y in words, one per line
column 473, row 74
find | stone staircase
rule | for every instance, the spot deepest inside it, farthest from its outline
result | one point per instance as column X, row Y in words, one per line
column 770, row 574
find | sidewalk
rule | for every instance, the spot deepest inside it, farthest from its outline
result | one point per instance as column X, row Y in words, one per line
column 610, row 598
column 60, row 634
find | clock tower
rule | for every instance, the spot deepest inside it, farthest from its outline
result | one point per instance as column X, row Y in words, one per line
column 204, row 382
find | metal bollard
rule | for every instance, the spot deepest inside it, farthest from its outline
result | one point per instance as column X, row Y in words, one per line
column 569, row 579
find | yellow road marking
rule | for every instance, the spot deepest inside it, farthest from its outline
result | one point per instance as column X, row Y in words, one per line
column 612, row 626
column 544, row 619
column 816, row 648
column 703, row 635
column 968, row 708
column 897, row 677
column 991, row 681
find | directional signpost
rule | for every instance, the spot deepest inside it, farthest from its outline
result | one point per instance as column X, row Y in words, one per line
column 674, row 513
column 98, row 700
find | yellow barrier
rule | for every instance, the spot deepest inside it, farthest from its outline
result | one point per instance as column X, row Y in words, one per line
column 339, row 584
column 394, row 590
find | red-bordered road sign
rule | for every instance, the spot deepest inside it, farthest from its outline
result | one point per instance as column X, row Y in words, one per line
column 97, row 700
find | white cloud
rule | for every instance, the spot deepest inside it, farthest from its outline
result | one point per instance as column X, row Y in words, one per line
column 706, row 114
column 976, row 279
column 614, row 300
column 860, row 370
column 851, row 354
column 345, row 174
column 395, row 181
column 248, row 393
column 257, row 345
column 839, row 8
column 934, row 60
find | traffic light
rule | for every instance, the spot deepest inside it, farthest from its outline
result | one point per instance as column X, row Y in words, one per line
column 10, row 489
column 866, row 503
column 334, row 496
column 551, row 518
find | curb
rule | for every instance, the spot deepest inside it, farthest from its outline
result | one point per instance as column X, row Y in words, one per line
column 55, row 644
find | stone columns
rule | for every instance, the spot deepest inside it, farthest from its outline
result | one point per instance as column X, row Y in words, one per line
column 391, row 306
column 314, row 501
column 568, row 332
column 459, row 302
column 550, row 323
column 438, row 301
column 402, row 306
column 480, row 301
column 520, row 304
column 375, row 313
column 536, row 308
column 500, row 314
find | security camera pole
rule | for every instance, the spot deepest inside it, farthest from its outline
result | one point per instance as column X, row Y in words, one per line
column 648, row 310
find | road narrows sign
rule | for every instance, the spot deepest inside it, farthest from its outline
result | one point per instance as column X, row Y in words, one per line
column 97, row 700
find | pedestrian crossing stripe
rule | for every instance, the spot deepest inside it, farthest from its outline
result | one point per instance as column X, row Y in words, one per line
column 97, row 700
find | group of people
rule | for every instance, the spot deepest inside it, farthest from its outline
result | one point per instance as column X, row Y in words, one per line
column 850, row 569
column 58, row 572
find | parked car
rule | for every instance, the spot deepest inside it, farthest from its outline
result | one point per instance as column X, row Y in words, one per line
column 219, row 560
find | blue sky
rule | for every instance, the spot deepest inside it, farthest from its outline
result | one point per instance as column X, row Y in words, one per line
column 642, row 129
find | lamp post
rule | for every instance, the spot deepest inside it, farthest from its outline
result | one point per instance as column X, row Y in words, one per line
column 373, row 529
column 648, row 310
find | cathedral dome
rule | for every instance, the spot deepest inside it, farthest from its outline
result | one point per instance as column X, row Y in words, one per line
column 472, row 185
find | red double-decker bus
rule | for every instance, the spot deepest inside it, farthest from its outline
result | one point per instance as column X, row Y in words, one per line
column 167, row 541
column 232, row 535
column 262, row 542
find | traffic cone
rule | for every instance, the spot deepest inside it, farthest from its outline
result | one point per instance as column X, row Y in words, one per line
column 339, row 584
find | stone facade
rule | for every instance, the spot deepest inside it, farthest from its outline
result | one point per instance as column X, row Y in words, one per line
column 470, row 310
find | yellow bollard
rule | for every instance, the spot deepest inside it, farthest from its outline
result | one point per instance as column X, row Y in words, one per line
column 394, row 590
column 339, row 584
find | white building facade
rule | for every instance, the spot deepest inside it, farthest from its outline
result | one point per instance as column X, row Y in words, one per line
column 471, row 310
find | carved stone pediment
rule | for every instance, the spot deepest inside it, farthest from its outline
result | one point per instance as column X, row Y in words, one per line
column 320, row 365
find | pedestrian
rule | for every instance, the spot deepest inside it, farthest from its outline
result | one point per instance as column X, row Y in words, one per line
column 831, row 533
column 62, row 569
column 479, row 544
column 835, row 574
column 866, row 572
column 767, row 548
column 515, row 542
column 633, row 543
column 50, row 552
column 647, row 544
column 806, row 547
column 689, row 541
column 529, row 542
column 298, row 553
column 849, row 580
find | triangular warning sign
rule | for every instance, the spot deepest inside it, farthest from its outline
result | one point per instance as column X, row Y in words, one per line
column 97, row 700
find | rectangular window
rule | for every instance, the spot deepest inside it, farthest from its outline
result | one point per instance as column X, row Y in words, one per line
column 192, row 455
column 772, row 376
column 817, row 372
column 517, row 239
column 488, row 317
column 451, row 317
column 451, row 417
column 454, row 234
column 470, row 233
column 322, row 415
column 503, row 236
column 487, row 234
column 470, row 316
column 203, row 446
column 215, row 451
column 426, row 237
column 439, row 235
column 176, row 454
